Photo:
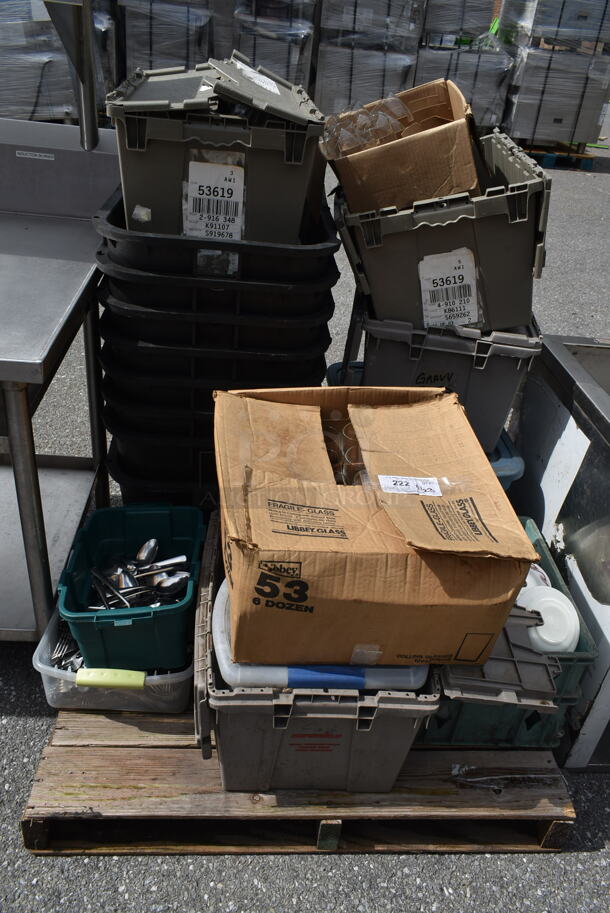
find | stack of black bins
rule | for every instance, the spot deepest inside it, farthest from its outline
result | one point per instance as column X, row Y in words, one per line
column 173, row 331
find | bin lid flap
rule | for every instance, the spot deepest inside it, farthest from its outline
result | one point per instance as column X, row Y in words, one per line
column 236, row 80
column 515, row 673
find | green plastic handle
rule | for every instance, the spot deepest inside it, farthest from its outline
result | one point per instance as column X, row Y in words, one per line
column 110, row 678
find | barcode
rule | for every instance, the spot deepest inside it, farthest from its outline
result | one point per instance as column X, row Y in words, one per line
column 209, row 207
column 450, row 293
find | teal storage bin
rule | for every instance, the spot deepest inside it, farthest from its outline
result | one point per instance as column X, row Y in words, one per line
column 460, row 724
column 142, row 638
column 573, row 664
column 472, row 725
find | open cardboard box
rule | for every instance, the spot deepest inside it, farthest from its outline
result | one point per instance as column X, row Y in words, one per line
column 433, row 158
column 422, row 566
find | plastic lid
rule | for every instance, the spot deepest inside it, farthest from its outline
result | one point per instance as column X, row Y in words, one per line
column 560, row 629
column 235, row 79
column 515, row 673
column 178, row 89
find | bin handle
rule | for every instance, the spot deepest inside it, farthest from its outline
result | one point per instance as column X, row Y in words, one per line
column 432, row 212
column 118, row 622
column 110, row 678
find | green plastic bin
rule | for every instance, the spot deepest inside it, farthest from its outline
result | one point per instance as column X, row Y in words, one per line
column 573, row 664
column 458, row 723
column 141, row 638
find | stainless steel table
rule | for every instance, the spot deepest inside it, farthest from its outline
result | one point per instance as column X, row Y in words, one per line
column 47, row 291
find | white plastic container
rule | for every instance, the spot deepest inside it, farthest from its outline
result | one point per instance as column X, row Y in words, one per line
column 560, row 630
column 167, row 693
column 246, row 675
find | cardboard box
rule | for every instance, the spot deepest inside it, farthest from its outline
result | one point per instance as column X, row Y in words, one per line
column 328, row 573
column 434, row 159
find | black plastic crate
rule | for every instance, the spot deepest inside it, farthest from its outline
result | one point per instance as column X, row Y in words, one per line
column 195, row 256
column 220, row 327
column 180, row 374
column 179, row 428
column 270, row 295
column 136, row 490
column 222, row 366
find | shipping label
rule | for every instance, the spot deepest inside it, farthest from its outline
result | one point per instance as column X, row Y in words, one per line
column 449, row 289
column 410, row 485
column 215, row 201
column 263, row 81
column 457, row 520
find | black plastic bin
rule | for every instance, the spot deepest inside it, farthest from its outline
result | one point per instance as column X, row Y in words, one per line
column 221, row 300
column 202, row 493
column 155, row 287
column 221, row 327
column 179, row 428
column 193, row 370
column 196, row 256
column 141, row 388
column 221, row 366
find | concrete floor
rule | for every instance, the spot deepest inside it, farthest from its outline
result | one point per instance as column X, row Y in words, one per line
column 572, row 298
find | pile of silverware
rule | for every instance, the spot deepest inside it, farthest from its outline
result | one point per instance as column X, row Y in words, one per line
column 66, row 653
column 140, row 581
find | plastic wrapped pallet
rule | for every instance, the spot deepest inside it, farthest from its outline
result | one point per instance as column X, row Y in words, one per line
column 376, row 23
column 559, row 96
column 348, row 77
column 35, row 76
column 483, row 77
column 469, row 18
column 571, row 21
column 162, row 33
column 221, row 25
column 282, row 45
column 36, row 85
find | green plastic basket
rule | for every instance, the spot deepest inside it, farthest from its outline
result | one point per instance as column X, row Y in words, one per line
column 142, row 638
column 573, row 664
column 510, row 726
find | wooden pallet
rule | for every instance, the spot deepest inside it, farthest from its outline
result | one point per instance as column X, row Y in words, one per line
column 137, row 783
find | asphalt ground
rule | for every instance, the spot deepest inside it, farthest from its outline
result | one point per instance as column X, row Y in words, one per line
column 571, row 299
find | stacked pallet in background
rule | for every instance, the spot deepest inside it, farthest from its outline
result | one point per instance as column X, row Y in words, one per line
column 366, row 50
column 561, row 81
column 35, row 76
column 278, row 34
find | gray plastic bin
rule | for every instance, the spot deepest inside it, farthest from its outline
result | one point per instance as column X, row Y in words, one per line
column 269, row 738
column 221, row 152
column 485, row 370
column 491, row 247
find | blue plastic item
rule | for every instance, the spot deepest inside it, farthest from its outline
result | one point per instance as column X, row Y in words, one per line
column 506, row 462
column 352, row 678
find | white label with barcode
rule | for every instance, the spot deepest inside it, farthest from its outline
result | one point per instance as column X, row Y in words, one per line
column 411, row 485
column 449, row 289
column 215, row 201
column 263, row 81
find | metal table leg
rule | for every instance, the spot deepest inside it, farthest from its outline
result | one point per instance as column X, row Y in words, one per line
column 21, row 444
column 94, row 392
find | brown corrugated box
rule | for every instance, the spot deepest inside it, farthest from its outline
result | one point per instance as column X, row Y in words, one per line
column 327, row 573
column 435, row 159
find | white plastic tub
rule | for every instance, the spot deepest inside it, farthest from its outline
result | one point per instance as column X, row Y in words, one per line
column 168, row 693
column 246, row 675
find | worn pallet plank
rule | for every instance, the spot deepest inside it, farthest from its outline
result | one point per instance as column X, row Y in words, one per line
column 129, row 730
column 169, row 783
